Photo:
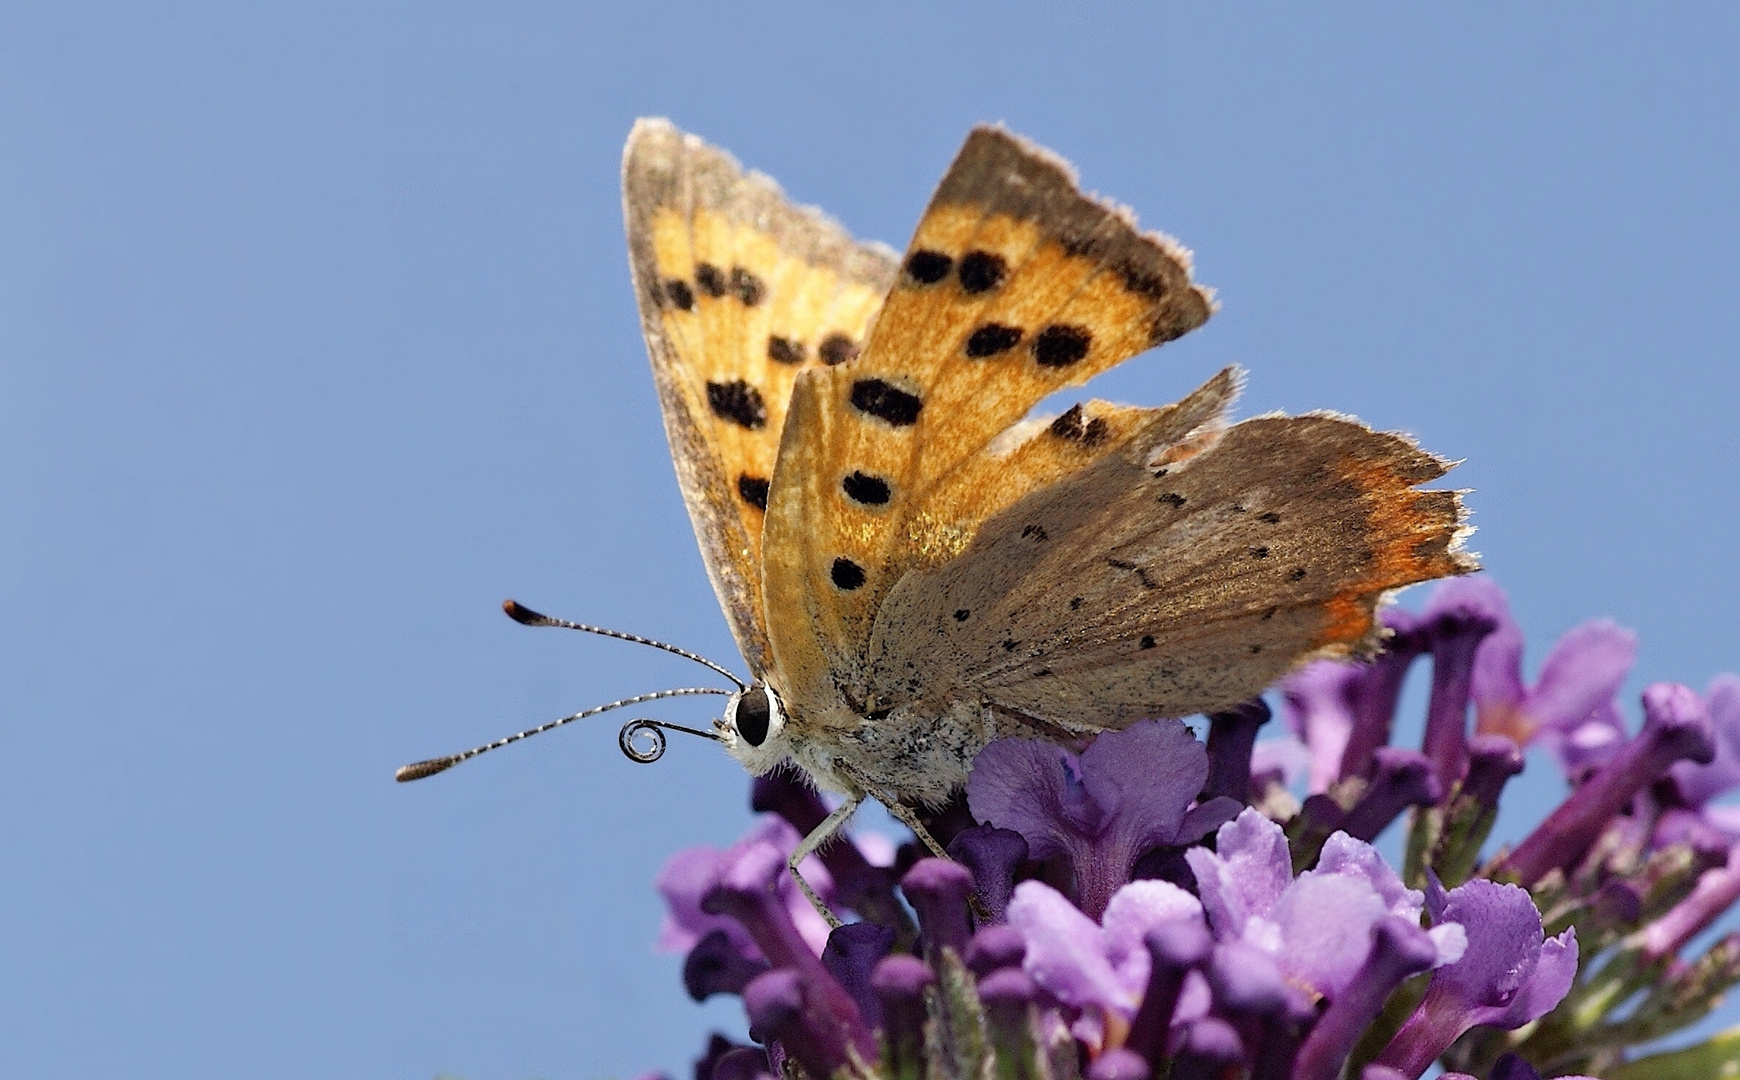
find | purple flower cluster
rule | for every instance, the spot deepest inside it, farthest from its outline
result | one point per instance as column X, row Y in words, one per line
column 1158, row 906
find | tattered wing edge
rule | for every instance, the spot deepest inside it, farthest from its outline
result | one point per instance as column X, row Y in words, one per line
column 1054, row 182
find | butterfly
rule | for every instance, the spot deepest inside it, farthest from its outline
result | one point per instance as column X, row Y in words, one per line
column 913, row 566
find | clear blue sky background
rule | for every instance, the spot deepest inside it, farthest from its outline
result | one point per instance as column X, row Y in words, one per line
column 316, row 341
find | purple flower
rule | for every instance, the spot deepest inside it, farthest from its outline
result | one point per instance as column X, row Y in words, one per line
column 1284, row 760
column 938, row 889
column 1129, row 792
column 1100, row 969
column 1318, row 926
column 744, row 1063
column 1223, row 959
column 1232, row 737
column 1511, row 974
column 1512, row 1067
column 718, row 965
column 1717, row 890
column 1676, row 727
column 783, row 1006
column 1399, row 949
column 1317, row 703
column 1697, row 784
column 994, row 856
column 687, row 875
column 1577, row 684
column 1456, row 622
column 899, row 983
column 1588, row 744
column 1341, row 710
column 726, row 1060
column 799, row 1003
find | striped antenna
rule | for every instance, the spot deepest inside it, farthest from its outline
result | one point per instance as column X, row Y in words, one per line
column 525, row 616
column 417, row 770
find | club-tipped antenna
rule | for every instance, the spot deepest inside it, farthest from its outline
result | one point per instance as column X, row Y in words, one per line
column 417, row 770
column 525, row 616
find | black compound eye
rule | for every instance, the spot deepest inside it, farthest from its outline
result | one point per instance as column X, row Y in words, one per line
column 754, row 715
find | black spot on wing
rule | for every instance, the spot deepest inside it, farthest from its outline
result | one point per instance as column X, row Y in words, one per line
column 962, row 614
column 1296, row 574
column 711, row 279
column 1147, row 642
column 1141, row 572
column 1171, row 498
column 846, row 574
column 991, row 339
column 754, row 490
column 679, row 294
column 1061, row 346
column 739, row 403
column 981, row 272
column 1076, row 427
column 928, row 267
column 837, row 349
column 747, row 287
column 1271, row 518
column 863, row 488
column 1259, row 553
column 1141, row 282
column 784, row 350
column 877, row 398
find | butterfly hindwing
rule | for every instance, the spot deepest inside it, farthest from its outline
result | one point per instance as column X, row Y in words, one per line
column 1015, row 285
column 739, row 291
column 1178, row 575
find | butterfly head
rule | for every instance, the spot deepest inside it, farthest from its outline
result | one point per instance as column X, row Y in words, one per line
column 753, row 728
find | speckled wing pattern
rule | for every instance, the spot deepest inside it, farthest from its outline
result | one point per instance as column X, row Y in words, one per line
column 739, row 291
column 1180, row 573
column 1015, row 285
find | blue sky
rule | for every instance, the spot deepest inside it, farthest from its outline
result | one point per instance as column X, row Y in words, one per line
column 316, row 341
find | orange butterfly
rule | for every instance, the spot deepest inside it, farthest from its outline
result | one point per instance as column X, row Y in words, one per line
column 912, row 567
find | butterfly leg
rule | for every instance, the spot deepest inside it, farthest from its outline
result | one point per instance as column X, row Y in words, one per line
column 905, row 816
column 818, row 836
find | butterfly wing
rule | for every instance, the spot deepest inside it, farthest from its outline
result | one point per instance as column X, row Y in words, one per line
column 1183, row 572
column 1015, row 285
column 739, row 291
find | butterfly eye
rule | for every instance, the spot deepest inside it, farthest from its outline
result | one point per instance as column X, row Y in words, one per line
column 755, row 713
column 753, row 716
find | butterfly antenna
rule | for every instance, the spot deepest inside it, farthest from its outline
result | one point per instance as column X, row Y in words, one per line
column 417, row 770
column 525, row 616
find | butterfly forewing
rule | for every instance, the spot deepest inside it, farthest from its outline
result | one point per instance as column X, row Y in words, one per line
column 1015, row 285
column 739, row 291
